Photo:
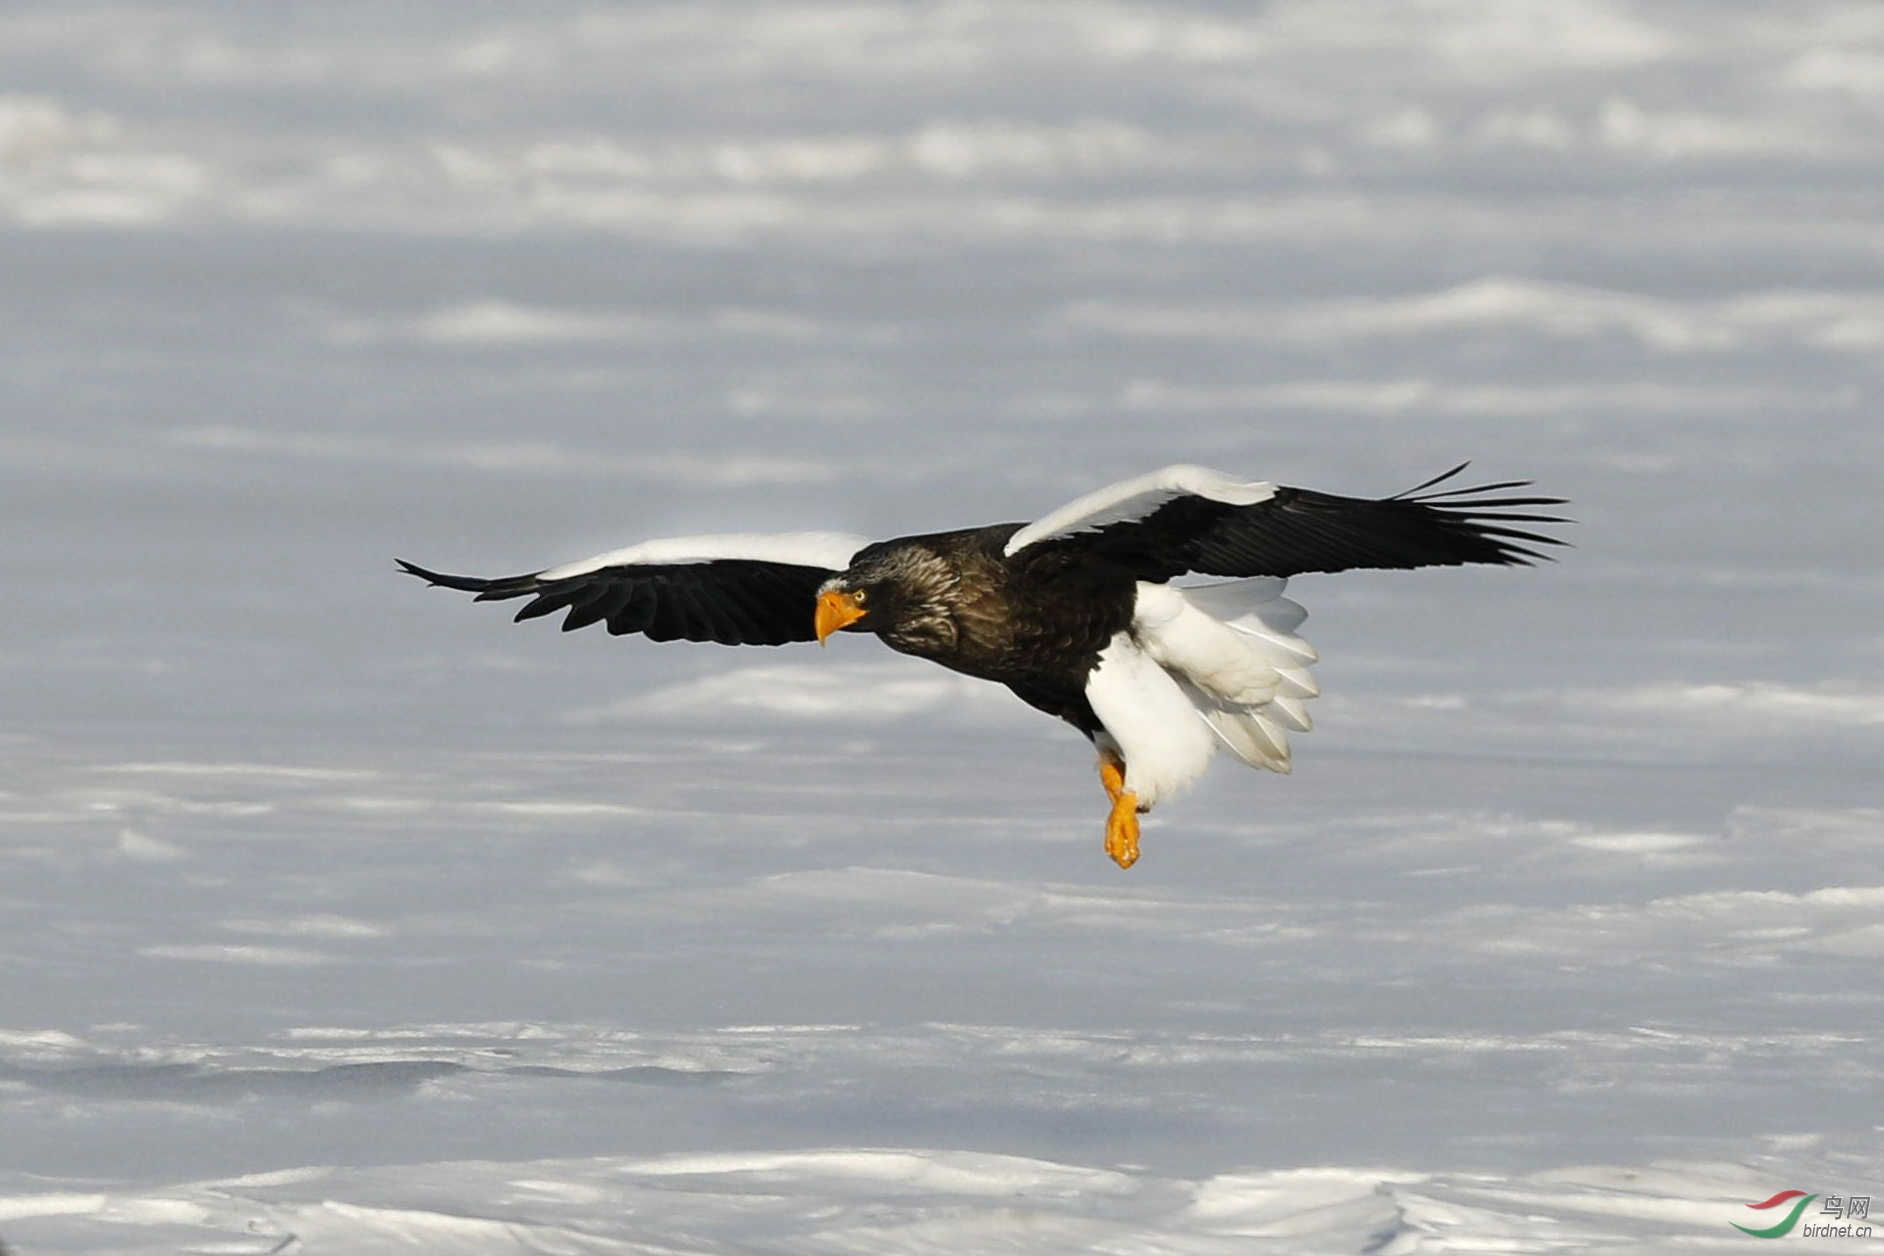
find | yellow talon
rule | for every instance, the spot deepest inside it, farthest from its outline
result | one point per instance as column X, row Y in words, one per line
column 1122, row 824
column 1122, row 830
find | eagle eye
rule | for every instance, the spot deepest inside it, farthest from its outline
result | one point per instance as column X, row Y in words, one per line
column 859, row 596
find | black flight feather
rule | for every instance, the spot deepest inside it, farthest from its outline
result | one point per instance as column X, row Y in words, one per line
column 1300, row 530
column 733, row 601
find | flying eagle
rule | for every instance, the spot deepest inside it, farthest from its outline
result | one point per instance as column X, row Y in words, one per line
column 1076, row 612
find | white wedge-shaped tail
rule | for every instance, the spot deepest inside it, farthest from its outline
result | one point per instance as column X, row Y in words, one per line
column 1202, row 668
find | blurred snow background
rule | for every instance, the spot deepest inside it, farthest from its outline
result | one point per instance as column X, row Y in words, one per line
column 340, row 916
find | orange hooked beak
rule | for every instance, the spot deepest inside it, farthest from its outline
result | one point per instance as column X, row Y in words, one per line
column 836, row 610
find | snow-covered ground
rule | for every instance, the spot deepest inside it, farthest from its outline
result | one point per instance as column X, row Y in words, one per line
column 342, row 916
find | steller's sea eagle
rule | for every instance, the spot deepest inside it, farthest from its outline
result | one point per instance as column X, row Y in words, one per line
column 1075, row 612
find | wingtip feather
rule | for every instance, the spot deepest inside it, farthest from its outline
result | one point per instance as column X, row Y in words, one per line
column 438, row 579
column 1441, row 478
column 486, row 590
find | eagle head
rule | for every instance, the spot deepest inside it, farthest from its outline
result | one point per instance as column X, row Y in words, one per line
column 903, row 593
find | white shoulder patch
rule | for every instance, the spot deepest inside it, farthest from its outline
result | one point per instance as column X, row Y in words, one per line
column 831, row 550
column 1133, row 499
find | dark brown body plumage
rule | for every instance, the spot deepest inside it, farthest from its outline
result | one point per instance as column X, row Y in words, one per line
column 1035, row 621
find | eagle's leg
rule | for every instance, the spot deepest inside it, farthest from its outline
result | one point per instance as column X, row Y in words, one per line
column 1122, row 823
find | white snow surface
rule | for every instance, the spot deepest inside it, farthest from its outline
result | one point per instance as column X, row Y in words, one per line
column 898, row 1202
column 336, row 916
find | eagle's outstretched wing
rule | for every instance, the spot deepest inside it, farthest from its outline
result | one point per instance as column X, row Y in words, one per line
column 736, row 590
column 1190, row 519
